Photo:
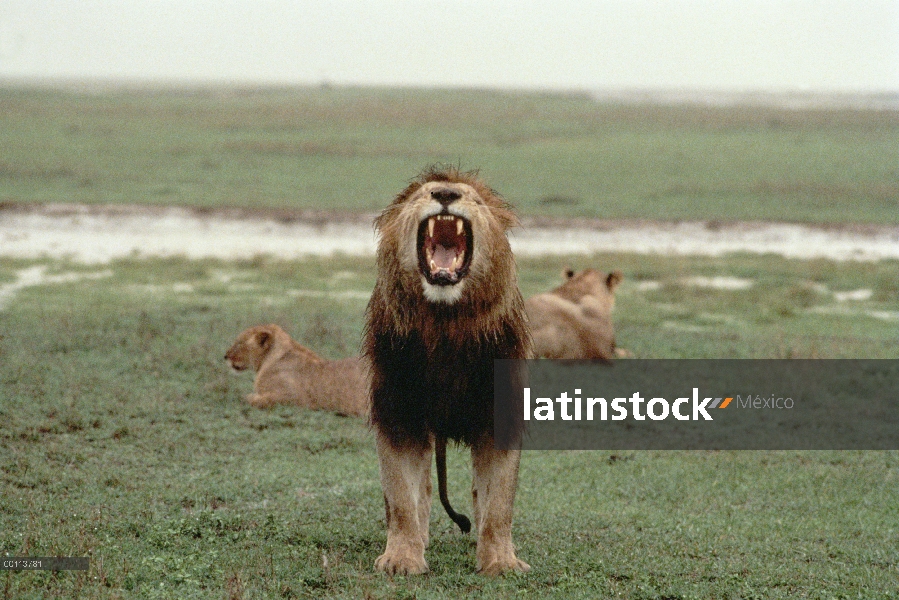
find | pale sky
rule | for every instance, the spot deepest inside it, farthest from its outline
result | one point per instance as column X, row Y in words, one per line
column 728, row 45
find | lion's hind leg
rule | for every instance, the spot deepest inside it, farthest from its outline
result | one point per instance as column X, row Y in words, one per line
column 406, row 481
column 493, row 494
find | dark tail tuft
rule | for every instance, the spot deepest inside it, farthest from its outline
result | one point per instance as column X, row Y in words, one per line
column 440, row 455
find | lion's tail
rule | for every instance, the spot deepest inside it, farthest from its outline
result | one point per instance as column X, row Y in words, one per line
column 440, row 454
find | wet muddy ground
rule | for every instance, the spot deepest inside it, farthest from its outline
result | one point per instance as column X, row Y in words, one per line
column 98, row 234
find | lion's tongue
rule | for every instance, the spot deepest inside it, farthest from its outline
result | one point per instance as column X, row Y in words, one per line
column 443, row 257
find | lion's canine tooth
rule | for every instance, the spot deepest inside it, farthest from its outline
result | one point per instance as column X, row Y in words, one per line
column 431, row 227
column 458, row 226
column 433, row 265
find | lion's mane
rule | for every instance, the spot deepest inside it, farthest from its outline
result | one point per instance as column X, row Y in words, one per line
column 432, row 362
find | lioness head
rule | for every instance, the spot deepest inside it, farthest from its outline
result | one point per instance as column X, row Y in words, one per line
column 251, row 347
column 444, row 235
column 590, row 282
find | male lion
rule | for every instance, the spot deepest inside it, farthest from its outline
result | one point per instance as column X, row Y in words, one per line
column 574, row 320
column 289, row 373
column 445, row 305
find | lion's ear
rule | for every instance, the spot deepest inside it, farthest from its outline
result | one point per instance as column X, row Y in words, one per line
column 614, row 280
column 568, row 273
column 264, row 339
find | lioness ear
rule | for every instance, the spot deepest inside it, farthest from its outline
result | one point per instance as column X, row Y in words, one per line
column 568, row 273
column 264, row 339
column 614, row 280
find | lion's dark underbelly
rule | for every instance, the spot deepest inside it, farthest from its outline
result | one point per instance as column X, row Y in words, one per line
column 445, row 390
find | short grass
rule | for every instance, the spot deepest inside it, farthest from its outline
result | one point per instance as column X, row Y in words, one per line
column 123, row 437
column 354, row 149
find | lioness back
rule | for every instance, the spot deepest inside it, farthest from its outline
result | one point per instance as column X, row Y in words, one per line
column 574, row 321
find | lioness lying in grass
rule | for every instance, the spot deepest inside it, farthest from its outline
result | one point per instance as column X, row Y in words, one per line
column 290, row 373
column 575, row 319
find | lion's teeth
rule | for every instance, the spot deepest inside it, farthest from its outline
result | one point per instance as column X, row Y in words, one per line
column 431, row 227
column 459, row 227
column 433, row 266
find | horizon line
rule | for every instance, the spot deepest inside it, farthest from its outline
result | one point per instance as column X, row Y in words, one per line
column 799, row 97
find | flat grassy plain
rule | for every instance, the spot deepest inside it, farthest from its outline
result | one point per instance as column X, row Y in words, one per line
column 353, row 149
column 124, row 437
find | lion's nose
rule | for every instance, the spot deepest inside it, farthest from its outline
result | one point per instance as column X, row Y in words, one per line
column 445, row 196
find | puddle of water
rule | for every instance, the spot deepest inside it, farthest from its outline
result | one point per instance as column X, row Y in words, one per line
column 890, row 316
column 720, row 283
column 34, row 276
column 99, row 238
column 699, row 239
column 90, row 236
column 24, row 278
column 884, row 315
column 856, row 295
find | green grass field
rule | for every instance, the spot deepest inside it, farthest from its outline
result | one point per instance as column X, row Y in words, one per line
column 124, row 437
column 353, row 149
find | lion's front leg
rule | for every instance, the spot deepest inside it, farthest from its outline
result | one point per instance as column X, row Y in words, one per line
column 261, row 400
column 406, row 482
column 493, row 494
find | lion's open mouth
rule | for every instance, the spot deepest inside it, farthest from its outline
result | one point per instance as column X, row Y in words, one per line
column 444, row 248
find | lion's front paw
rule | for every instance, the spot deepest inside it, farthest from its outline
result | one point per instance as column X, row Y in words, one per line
column 260, row 401
column 403, row 561
column 497, row 561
